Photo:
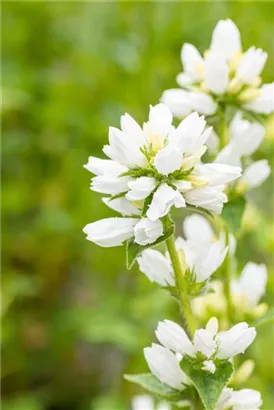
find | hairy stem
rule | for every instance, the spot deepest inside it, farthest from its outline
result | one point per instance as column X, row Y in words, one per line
column 182, row 286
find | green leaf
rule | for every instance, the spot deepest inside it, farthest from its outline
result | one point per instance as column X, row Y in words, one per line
column 133, row 250
column 233, row 212
column 209, row 386
column 153, row 385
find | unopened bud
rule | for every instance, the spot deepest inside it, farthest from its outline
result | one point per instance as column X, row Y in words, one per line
column 244, row 372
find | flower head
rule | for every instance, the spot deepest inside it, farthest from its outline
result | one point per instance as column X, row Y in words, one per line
column 207, row 349
column 159, row 166
column 224, row 75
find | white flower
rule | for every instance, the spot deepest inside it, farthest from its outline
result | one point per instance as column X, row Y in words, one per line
column 246, row 399
column 146, row 402
column 202, row 253
column 158, row 166
column 111, row 231
column 224, row 401
column 264, row 102
column 147, row 231
column 255, row 174
column 245, row 138
column 121, row 205
column 165, row 366
column 156, row 267
column 207, row 346
column 210, row 198
column 143, row 402
column 140, row 188
column 235, row 341
column 224, row 74
column 251, row 65
column 163, row 199
column 251, row 285
column 174, row 338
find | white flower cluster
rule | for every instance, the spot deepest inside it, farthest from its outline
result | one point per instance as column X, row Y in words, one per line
column 245, row 138
column 199, row 254
column 150, row 170
column 207, row 349
column 246, row 291
column 157, row 166
column 225, row 75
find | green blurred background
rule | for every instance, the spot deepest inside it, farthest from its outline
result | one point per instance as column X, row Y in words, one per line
column 73, row 318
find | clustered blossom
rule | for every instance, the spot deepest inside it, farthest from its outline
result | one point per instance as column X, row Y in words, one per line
column 224, row 75
column 245, row 138
column 246, row 293
column 152, row 169
column 207, row 348
column 200, row 254
column 157, row 166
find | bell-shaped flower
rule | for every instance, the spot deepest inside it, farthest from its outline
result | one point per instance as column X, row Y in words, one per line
column 207, row 348
column 224, row 75
column 164, row 364
column 147, row 231
column 245, row 138
column 111, row 232
column 156, row 267
column 249, row 288
column 254, row 175
column 245, row 399
column 235, row 341
column 156, row 167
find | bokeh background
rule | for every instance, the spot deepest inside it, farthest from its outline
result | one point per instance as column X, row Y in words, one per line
column 73, row 318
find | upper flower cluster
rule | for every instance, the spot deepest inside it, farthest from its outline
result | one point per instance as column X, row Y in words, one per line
column 224, row 75
column 153, row 168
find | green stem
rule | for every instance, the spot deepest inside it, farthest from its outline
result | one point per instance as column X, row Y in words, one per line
column 182, row 286
column 222, row 129
column 227, row 281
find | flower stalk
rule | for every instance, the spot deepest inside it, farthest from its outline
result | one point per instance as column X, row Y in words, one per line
column 181, row 284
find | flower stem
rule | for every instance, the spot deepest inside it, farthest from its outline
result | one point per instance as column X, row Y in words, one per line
column 222, row 129
column 182, row 286
column 227, row 279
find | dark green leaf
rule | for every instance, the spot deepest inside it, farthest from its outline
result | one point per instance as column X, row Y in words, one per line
column 153, row 385
column 233, row 212
column 209, row 386
column 133, row 250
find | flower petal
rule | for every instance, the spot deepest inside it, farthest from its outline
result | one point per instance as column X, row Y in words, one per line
column 111, row 231
column 174, row 338
column 226, row 38
column 156, row 267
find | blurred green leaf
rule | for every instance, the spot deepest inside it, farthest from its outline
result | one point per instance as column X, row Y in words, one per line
column 233, row 212
column 153, row 385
